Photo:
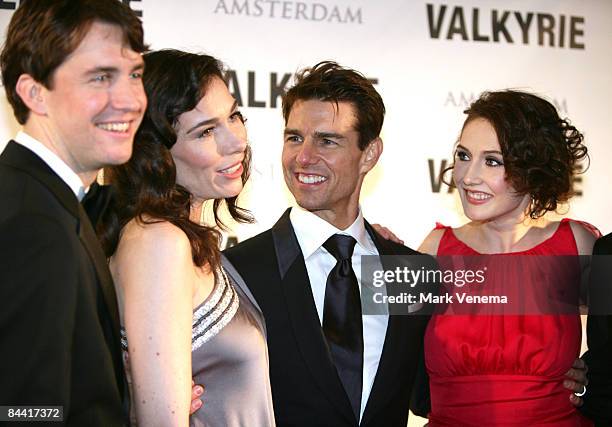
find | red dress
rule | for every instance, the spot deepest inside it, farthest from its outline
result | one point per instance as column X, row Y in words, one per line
column 503, row 370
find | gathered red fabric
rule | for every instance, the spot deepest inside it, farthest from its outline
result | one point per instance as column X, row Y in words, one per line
column 503, row 370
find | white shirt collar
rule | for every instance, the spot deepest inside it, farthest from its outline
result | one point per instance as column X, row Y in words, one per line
column 54, row 162
column 312, row 231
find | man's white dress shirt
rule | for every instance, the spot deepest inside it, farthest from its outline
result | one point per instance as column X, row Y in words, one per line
column 312, row 232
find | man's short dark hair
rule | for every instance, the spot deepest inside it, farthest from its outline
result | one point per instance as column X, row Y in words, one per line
column 43, row 33
column 328, row 81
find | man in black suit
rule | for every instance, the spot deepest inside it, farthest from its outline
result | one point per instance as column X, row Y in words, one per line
column 72, row 73
column 598, row 398
column 363, row 374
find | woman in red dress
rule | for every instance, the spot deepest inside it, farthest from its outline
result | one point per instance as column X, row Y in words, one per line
column 514, row 162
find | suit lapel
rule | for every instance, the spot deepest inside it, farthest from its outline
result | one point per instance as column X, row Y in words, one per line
column 304, row 318
column 392, row 357
column 92, row 245
column 21, row 158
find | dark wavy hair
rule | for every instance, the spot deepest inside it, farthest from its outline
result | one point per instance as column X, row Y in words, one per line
column 328, row 81
column 145, row 187
column 541, row 151
column 43, row 33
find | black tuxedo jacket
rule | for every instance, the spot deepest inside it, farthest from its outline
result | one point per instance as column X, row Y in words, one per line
column 59, row 324
column 306, row 389
column 598, row 399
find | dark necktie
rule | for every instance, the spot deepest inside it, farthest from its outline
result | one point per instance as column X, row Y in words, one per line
column 342, row 324
column 96, row 201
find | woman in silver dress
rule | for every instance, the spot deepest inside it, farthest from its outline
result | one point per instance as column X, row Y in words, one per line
column 185, row 312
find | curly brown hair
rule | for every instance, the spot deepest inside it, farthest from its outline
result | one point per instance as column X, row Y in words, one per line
column 541, row 152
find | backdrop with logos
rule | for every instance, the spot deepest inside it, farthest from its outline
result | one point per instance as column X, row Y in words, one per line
column 429, row 59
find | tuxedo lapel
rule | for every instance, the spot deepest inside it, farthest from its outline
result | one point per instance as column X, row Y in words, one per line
column 392, row 357
column 303, row 315
column 385, row 381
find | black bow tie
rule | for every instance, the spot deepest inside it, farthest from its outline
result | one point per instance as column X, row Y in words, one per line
column 96, row 201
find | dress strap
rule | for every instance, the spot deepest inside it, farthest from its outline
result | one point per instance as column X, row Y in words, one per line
column 216, row 312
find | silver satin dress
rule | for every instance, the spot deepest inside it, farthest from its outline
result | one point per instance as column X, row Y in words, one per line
column 229, row 357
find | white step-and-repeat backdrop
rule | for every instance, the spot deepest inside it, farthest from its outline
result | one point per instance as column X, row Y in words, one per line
column 429, row 59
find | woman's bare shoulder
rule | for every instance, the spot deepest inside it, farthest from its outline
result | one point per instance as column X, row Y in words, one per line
column 585, row 236
column 432, row 241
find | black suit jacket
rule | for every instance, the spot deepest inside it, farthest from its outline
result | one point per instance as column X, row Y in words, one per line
column 305, row 386
column 58, row 313
column 598, row 399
